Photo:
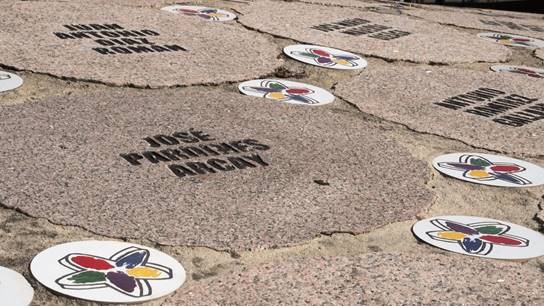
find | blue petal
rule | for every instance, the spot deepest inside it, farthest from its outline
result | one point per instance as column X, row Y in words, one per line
column 472, row 245
column 132, row 259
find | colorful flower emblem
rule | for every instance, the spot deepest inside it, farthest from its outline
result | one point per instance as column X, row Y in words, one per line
column 126, row 271
column 280, row 92
column 476, row 238
column 324, row 58
column 507, row 40
column 478, row 168
column 206, row 13
column 526, row 71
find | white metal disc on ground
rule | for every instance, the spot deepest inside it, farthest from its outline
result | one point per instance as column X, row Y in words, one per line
column 487, row 169
column 481, row 237
column 14, row 289
column 513, row 40
column 207, row 13
column 9, row 81
column 325, row 57
column 108, row 271
column 529, row 71
column 286, row 91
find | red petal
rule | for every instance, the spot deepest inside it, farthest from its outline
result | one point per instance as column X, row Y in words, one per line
column 297, row 91
column 91, row 263
column 187, row 11
column 512, row 168
column 500, row 240
column 321, row 53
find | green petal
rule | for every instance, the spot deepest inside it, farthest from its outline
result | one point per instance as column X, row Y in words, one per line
column 308, row 54
column 88, row 277
column 276, row 86
column 479, row 162
column 490, row 229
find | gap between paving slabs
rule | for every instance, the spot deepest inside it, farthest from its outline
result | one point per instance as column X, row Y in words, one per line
column 333, row 235
column 204, row 264
column 325, row 245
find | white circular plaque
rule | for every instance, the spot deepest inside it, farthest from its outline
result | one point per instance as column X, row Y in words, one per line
column 493, row 170
column 528, row 71
column 513, row 40
column 9, row 81
column 481, row 237
column 108, row 271
column 207, row 13
column 14, row 288
column 325, row 57
column 286, row 91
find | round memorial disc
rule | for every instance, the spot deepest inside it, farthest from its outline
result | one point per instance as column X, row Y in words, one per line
column 9, row 81
column 14, row 288
column 286, row 91
column 325, row 57
column 481, row 237
column 513, row 40
column 489, row 169
column 108, row 271
column 207, row 13
column 529, row 71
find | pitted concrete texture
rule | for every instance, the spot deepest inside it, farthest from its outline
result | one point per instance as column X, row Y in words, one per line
column 528, row 27
column 123, row 45
column 539, row 53
column 372, row 279
column 288, row 174
column 384, row 35
column 497, row 111
column 347, row 3
column 161, row 3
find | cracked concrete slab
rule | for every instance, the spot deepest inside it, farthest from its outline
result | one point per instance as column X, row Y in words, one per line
column 374, row 278
column 489, row 110
column 539, row 53
column 527, row 27
column 223, row 4
column 123, row 45
column 204, row 167
column 368, row 33
column 345, row 3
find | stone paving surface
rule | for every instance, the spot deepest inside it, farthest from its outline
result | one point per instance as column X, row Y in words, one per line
column 540, row 53
column 374, row 278
column 488, row 110
column 287, row 205
column 531, row 27
column 91, row 168
column 368, row 33
column 130, row 46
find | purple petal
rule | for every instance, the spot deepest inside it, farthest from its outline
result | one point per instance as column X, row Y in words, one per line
column 323, row 60
column 461, row 228
column 263, row 89
column 122, row 281
column 462, row 166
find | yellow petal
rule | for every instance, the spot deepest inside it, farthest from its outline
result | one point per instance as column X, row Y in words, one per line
column 143, row 272
column 451, row 235
column 276, row 96
column 478, row 173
